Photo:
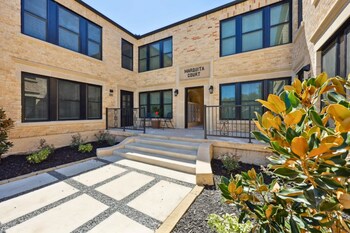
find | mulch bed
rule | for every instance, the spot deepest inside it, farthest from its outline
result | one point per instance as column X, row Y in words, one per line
column 209, row 202
column 17, row 165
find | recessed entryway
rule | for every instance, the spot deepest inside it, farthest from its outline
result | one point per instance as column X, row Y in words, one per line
column 127, row 108
column 194, row 107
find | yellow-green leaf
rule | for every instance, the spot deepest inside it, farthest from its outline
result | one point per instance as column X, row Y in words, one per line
column 274, row 103
column 299, row 146
column 321, row 79
column 293, row 118
column 341, row 115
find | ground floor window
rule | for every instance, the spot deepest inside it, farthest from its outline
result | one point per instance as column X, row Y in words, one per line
column 156, row 104
column 52, row 99
column 237, row 100
column 336, row 53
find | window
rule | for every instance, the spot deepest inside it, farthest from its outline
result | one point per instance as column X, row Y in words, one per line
column 156, row 55
column 157, row 102
column 262, row 28
column 35, row 98
column 68, row 100
column 52, row 99
column 94, row 41
column 68, row 29
column 336, row 53
column 252, row 31
column 228, row 101
column 34, row 19
column 94, row 102
column 279, row 18
column 127, row 55
column 49, row 21
column 236, row 97
column 300, row 12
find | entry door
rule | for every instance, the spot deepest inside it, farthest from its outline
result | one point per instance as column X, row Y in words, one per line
column 127, row 108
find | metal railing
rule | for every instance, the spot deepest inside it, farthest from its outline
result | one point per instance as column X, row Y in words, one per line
column 233, row 121
column 126, row 119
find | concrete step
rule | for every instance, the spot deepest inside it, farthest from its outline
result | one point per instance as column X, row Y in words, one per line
column 157, row 159
column 170, row 152
column 168, row 143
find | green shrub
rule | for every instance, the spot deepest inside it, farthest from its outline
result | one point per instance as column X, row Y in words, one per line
column 87, row 148
column 228, row 224
column 44, row 150
column 105, row 136
column 77, row 140
column 39, row 156
column 311, row 191
column 5, row 125
column 230, row 162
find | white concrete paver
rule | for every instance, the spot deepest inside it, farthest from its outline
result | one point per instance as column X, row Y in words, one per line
column 32, row 201
column 20, row 186
column 79, row 168
column 118, row 223
column 98, row 175
column 137, row 201
column 63, row 218
column 181, row 176
column 160, row 200
column 125, row 185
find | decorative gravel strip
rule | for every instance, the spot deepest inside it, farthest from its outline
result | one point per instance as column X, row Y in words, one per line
column 35, row 213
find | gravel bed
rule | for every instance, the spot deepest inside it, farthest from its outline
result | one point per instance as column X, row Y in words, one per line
column 209, row 202
column 17, row 165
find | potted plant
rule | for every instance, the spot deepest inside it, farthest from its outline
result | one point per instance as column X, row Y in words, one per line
column 156, row 120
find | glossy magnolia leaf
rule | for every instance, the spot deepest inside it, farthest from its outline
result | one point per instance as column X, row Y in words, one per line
column 344, row 199
column 293, row 118
column 294, row 101
column 274, row 103
column 290, row 135
column 339, row 86
column 321, row 79
column 335, row 97
column 341, row 115
column 297, row 86
column 328, row 183
column 279, row 149
column 285, row 172
column 300, row 146
column 261, row 137
column 293, row 226
column 316, row 119
column 329, row 205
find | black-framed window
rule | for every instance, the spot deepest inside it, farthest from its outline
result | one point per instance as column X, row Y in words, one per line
column 127, row 55
column 262, row 28
column 34, row 15
column 300, row 12
column 154, row 102
column 336, row 53
column 49, row 21
column 156, row 55
column 35, row 98
column 236, row 97
column 68, row 100
column 52, row 99
column 94, row 102
column 94, row 41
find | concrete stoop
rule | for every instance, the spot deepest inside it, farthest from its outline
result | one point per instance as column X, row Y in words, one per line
column 176, row 154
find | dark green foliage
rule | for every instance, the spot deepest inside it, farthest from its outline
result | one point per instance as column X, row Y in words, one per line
column 5, row 125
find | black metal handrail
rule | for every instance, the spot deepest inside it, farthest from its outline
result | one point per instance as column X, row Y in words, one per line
column 126, row 119
column 233, row 121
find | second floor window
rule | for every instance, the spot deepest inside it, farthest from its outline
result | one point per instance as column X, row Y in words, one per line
column 262, row 28
column 49, row 21
column 127, row 55
column 156, row 55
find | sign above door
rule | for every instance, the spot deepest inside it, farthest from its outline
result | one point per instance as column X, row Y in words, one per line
column 195, row 71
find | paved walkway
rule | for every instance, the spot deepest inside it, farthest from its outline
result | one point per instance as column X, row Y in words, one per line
column 101, row 195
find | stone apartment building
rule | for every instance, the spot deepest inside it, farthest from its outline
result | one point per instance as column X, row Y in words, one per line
column 63, row 63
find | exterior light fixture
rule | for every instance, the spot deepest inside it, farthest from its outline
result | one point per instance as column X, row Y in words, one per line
column 176, row 92
column 211, row 89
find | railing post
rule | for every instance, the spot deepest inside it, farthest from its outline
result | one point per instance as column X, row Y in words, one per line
column 107, row 119
column 250, row 124
column 144, row 120
column 122, row 118
column 205, row 122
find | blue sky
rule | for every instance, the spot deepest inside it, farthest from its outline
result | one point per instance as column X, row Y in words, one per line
column 142, row 16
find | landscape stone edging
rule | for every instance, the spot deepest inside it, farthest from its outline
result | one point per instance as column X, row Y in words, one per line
column 43, row 171
column 171, row 221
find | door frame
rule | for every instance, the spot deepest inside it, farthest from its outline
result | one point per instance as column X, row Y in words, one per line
column 122, row 92
column 186, row 102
